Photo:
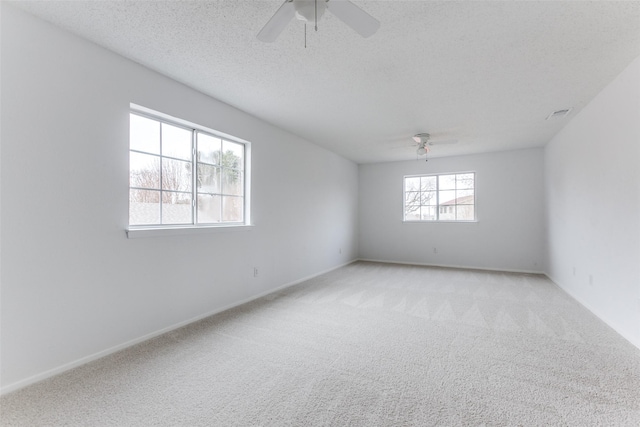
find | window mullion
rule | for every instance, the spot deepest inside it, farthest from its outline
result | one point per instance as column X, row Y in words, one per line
column 222, row 168
column 161, row 176
column 221, row 185
column 194, row 175
column 455, row 197
column 437, row 197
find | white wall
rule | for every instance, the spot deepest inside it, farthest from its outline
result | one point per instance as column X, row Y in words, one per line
column 73, row 285
column 507, row 236
column 592, row 186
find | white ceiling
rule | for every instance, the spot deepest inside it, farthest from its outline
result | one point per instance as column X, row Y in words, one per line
column 486, row 73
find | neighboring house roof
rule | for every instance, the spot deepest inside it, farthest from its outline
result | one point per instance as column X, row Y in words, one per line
column 464, row 200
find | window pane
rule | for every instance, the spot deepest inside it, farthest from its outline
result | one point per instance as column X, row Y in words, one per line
column 464, row 181
column 412, row 198
column 465, row 213
column 209, row 208
column 176, row 175
column 144, row 134
column 144, row 207
column 232, row 209
column 412, row 184
column 447, row 197
column 232, row 182
column 209, row 149
column 447, row 213
column 464, row 197
column 208, row 179
column 176, row 208
column 144, row 170
column 176, row 142
column 428, row 213
column 428, row 198
column 412, row 212
column 232, row 155
column 428, row 183
column 447, row 182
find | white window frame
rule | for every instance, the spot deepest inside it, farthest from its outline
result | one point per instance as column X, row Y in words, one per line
column 437, row 205
column 152, row 230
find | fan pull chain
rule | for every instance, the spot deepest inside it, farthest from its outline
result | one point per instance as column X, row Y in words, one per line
column 315, row 4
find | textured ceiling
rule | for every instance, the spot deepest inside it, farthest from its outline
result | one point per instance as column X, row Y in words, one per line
column 484, row 73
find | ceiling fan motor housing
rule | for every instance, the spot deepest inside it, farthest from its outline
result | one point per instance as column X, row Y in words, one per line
column 310, row 11
column 421, row 138
column 306, row 9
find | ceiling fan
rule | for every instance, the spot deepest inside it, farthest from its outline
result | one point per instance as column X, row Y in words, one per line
column 424, row 142
column 310, row 11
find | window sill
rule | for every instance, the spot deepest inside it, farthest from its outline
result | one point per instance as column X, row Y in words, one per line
column 135, row 233
column 475, row 221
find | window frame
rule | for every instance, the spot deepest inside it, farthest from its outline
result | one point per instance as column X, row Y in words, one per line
column 159, row 229
column 437, row 205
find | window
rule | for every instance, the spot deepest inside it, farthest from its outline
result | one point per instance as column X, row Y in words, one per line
column 449, row 197
column 182, row 175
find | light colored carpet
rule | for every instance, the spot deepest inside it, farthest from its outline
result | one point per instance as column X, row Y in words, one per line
column 365, row 345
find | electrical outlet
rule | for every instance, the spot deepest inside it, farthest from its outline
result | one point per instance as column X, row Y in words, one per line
column 591, row 280
column 435, row 250
column 255, row 271
column 340, row 251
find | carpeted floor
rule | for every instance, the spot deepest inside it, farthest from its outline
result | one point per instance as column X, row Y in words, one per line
column 366, row 345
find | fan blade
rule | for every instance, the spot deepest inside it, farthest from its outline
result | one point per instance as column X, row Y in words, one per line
column 443, row 142
column 363, row 23
column 277, row 23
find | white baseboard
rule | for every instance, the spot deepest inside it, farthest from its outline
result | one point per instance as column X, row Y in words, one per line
column 595, row 312
column 95, row 356
column 463, row 267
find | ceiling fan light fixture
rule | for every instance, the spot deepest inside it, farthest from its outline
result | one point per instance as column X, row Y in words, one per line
column 306, row 10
